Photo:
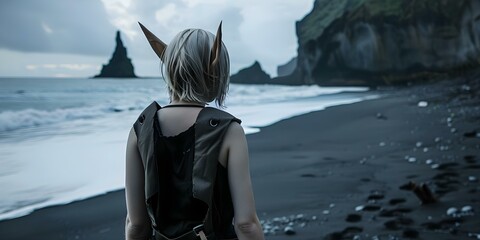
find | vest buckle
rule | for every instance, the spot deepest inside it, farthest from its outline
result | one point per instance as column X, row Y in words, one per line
column 199, row 231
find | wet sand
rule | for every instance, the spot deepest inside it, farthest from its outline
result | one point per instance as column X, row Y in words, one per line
column 338, row 173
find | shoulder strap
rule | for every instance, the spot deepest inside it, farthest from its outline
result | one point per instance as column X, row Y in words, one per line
column 144, row 129
column 210, row 130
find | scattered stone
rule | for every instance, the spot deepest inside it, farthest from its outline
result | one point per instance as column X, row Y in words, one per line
column 376, row 195
column 437, row 139
column 449, row 165
column 396, row 201
column 275, row 225
column 467, row 209
column 452, row 211
column 472, row 179
column 371, row 208
column 422, row 104
column 381, row 116
column 382, row 144
column 408, row 186
column 289, row 230
column 412, row 159
column 359, row 208
column 308, row 175
column 453, row 130
column 435, row 166
column 469, row 158
column 429, row 161
column 418, row 144
column 353, row 218
column 465, row 88
column 410, row 233
column 325, row 212
column 471, row 134
column 425, row 149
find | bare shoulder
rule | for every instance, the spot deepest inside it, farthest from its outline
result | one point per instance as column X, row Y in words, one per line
column 234, row 131
column 132, row 137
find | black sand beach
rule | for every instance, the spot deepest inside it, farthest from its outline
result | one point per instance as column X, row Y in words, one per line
column 337, row 173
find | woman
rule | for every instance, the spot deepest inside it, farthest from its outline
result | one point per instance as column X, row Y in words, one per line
column 187, row 172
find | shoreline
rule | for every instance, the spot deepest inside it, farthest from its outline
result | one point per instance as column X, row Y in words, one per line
column 102, row 139
column 323, row 165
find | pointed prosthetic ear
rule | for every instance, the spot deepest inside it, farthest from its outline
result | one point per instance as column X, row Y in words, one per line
column 217, row 45
column 157, row 45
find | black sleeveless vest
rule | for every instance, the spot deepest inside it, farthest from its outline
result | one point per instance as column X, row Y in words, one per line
column 210, row 128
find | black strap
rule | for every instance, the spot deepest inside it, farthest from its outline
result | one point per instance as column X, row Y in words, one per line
column 183, row 105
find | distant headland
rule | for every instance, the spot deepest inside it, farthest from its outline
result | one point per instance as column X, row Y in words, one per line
column 119, row 66
column 374, row 43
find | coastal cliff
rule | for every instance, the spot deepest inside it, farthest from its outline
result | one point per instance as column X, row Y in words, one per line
column 119, row 66
column 377, row 42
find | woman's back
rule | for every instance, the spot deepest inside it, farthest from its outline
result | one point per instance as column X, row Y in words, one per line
column 188, row 163
column 178, row 210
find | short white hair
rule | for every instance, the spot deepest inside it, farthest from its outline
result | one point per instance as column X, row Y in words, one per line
column 187, row 61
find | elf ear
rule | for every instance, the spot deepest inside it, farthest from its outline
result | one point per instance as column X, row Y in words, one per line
column 215, row 52
column 157, row 45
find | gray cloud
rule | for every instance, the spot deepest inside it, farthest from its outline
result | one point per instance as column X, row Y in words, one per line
column 66, row 26
column 252, row 30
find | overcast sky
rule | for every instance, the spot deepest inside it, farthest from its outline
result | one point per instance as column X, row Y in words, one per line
column 71, row 38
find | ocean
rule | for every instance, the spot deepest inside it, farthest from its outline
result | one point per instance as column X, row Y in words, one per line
column 63, row 140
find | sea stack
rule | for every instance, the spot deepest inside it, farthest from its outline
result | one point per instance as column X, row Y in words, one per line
column 119, row 66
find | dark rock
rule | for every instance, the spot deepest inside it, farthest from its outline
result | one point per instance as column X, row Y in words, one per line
column 251, row 75
column 471, row 134
column 381, row 116
column 255, row 75
column 410, row 233
column 119, row 66
column 469, row 158
column 376, row 195
column 353, row 218
column 287, row 68
column 371, row 208
column 396, row 201
column 289, row 231
column 371, row 43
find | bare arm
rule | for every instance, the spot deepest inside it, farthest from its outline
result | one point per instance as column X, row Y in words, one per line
column 247, row 225
column 137, row 224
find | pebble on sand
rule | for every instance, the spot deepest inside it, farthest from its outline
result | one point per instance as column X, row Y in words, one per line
column 289, row 230
column 422, row 103
column 359, row 208
column 452, row 211
column 467, row 209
